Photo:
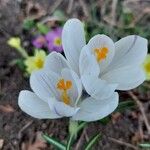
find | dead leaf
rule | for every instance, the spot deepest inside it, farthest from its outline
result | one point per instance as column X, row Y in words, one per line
column 34, row 10
column 38, row 144
column 7, row 108
column 116, row 117
column 136, row 138
column 1, row 143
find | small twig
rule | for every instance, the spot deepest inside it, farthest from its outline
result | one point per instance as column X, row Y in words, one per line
column 140, row 128
column 80, row 140
column 85, row 8
column 114, row 9
column 135, row 98
column 23, row 128
column 122, row 143
column 86, row 136
column 55, row 5
column 70, row 5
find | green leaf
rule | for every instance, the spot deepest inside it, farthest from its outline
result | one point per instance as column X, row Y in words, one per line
column 28, row 24
column 74, row 128
column 59, row 14
column 144, row 145
column 81, row 126
column 43, row 29
column 92, row 141
column 125, row 105
column 19, row 63
column 105, row 120
column 54, row 142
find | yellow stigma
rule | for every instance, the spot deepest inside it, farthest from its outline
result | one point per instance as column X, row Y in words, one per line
column 39, row 63
column 57, row 41
column 101, row 53
column 35, row 62
column 146, row 67
column 64, row 86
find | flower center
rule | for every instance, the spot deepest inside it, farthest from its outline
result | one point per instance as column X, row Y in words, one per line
column 57, row 41
column 64, row 86
column 147, row 67
column 39, row 63
column 101, row 53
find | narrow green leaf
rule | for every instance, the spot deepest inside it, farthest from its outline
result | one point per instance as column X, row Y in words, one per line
column 70, row 142
column 54, row 142
column 125, row 105
column 105, row 120
column 81, row 126
column 92, row 141
column 144, row 145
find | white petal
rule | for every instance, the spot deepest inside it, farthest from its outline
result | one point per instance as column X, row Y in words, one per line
column 99, row 41
column 73, row 39
column 92, row 110
column 76, row 91
column 97, row 88
column 34, row 106
column 129, row 51
column 44, row 84
column 55, row 62
column 63, row 110
column 88, row 63
column 127, row 77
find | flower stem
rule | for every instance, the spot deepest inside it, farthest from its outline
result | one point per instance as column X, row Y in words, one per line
column 69, row 142
column 23, row 52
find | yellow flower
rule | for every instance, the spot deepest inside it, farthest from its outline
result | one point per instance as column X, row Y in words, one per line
column 146, row 66
column 14, row 42
column 35, row 62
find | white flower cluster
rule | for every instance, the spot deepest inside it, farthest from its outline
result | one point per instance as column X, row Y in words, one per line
column 97, row 68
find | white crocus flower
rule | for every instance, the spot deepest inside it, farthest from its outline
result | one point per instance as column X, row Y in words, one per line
column 102, row 61
column 57, row 93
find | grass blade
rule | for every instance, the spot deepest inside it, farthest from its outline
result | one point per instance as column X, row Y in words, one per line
column 92, row 141
column 54, row 142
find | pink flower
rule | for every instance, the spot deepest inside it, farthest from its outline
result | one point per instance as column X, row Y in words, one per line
column 54, row 40
column 39, row 41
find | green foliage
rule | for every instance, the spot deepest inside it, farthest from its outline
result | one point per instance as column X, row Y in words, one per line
column 125, row 105
column 54, row 142
column 43, row 29
column 59, row 14
column 28, row 24
column 145, row 145
column 19, row 63
column 92, row 141
column 105, row 120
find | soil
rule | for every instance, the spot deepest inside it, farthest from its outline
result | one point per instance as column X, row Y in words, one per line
column 17, row 128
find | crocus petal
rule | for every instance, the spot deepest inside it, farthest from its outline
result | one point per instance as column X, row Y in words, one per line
column 101, row 41
column 127, row 77
column 92, row 110
column 73, row 39
column 97, row 88
column 76, row 90
column 55, row 62
column 34, row 106
column 63, row 110
column 88, row 63
column 129, row 51
column 44, row 84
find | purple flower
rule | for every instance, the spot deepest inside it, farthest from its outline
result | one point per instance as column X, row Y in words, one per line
column 54, row 40
column 39, row 41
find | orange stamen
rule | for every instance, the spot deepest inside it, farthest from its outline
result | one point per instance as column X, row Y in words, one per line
column 101, row 53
